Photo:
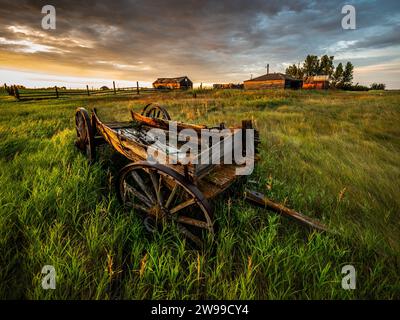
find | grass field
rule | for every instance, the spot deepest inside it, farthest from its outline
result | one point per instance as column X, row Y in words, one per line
column 332, row 155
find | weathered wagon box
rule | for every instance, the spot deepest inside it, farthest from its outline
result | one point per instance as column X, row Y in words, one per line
column 151, row 187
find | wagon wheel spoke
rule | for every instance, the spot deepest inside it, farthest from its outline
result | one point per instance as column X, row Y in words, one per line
column 156, row 186
column 193, row 222
column 136, row 206
column 182, row 205
column 160, row 183
column 143, row 186
column 171, row 196
column 136, row 193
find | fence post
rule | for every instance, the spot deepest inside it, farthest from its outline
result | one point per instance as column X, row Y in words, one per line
column 56, row 91
column 137, row 87
column 115, row 92
column 87, row 89
column 16, row 92
column 5, row 87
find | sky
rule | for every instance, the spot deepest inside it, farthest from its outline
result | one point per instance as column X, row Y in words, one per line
column 217, row 41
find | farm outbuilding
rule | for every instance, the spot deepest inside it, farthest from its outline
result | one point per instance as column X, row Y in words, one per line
column 316, row 82
column 273, row 81
column 173, row 83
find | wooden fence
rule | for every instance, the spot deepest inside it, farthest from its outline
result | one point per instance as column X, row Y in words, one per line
column 22, row 94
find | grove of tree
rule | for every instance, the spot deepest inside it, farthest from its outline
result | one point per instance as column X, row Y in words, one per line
column 313, row 66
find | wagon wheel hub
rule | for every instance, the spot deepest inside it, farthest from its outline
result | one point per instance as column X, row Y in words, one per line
column 158, row 212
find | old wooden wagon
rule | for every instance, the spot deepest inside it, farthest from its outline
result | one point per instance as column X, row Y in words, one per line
column 161, row 193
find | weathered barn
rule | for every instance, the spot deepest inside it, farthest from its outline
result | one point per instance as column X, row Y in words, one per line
column 273, row 81
column 173, row 83
column 316, row 82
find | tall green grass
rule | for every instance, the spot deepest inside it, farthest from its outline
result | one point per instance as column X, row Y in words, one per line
column 331, row 155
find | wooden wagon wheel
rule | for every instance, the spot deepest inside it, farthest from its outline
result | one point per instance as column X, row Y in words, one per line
column 85, row 133
column 163, row 195
column 155, row 111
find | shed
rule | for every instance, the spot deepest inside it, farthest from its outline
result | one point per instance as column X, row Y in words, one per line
column 273, row 81
column 173, row 83
column 316, row 82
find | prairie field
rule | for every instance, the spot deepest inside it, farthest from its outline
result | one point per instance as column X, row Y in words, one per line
column 332, row 155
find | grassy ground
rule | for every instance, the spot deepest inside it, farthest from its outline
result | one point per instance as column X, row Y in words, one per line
column 331, row 155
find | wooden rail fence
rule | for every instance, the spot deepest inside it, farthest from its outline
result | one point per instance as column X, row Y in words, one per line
column 22, row 94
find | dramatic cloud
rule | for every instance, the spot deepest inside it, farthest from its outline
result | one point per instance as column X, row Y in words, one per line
column 210, row 41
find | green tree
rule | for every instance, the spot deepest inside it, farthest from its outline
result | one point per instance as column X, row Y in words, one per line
column 341, row 77
column 311, row 65
column 326, row 65
column 294, row 71
column 348, row 74
column 378, row 86
column 337, row 76
column 291, row 70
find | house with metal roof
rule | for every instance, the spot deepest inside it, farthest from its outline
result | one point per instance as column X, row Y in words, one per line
column 273, row 81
